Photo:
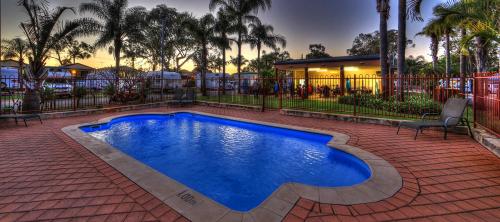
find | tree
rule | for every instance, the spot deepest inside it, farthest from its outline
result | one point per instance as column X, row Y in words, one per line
column 16, row 48
column 116, row 22
column 369, row 44
column 480, row 18
column 202, row 33
column 80, row 50
column 182, row 42
column 234, row 61
column 317, row 51
column 406, row 9
column 59, row 50
column 224, row 27
column 263, row 35
column 432, row 31
column 44, row 29
column 383, row 8
column 242, row 11
column 415, row 65
column 133, row 50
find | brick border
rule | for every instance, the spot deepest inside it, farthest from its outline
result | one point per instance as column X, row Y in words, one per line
column 384, row 182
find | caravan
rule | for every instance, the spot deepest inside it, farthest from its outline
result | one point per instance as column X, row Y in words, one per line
column 214, row 80
column 59, row 83
column 167, row 81
column 9, row 78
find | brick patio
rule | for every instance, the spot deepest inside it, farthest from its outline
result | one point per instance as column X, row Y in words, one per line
column 44, row 175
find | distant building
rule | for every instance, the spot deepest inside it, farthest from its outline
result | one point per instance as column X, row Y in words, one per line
column 10, row 63
column 334, row 71
column 76, row 70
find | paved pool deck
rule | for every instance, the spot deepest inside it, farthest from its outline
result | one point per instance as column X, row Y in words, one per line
column 45, row 175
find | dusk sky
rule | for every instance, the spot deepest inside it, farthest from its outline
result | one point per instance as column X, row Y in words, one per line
column 334, row 23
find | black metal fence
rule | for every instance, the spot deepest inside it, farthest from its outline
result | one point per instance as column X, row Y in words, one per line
column 372, row 96
column 64, row 94
column 406, row 98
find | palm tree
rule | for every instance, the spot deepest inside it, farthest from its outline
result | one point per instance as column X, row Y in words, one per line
column 202, row 32
column 116, row 23
column 44, row 29
column 406, row 8
column 16, row 48
column 80, row 50
column 480, row 18
column 133, row 51
column 263, row 35
column 223, row 27
column 242, row 11
column 432, row 31
column 383, row 8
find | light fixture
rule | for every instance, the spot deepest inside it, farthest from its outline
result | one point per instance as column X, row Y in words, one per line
column 318, row 70
column 351, row 68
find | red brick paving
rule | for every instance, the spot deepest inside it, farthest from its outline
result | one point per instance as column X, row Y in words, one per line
column 44, row 175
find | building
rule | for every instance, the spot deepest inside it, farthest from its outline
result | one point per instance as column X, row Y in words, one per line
column 10, row 63
column 334, row 72
column 76, row 70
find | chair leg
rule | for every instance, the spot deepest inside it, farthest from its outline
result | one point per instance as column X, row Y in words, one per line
column 470, row 130
column 16, row 120
column 25, row 123
column 445, row 133
column 40, row 118
column 416, row 133
column 398, row 130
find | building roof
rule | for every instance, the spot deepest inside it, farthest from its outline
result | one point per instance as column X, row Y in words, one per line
column 77, row 66
column 330, row 60
column 9, row 63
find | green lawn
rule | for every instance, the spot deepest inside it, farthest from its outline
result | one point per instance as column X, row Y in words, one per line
column 315, row 105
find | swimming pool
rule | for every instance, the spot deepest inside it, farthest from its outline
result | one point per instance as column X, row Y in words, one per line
column 237, row 164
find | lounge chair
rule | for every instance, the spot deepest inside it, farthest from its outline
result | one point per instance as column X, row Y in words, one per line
column 451, row 116
column 184, row 95
column 16, row 116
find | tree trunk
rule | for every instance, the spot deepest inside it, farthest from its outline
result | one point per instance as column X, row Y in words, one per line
column 223, row 71
column 239, row 60
column 258, row 61
column 481, row 54
column 117, row 61
column 20, row 73
column 401, row 47
column 384, row 50
column 463, row 65
column 435, row 51
column 448, row 59
column 204, row 70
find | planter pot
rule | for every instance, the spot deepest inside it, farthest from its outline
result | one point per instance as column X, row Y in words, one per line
column 31, row 102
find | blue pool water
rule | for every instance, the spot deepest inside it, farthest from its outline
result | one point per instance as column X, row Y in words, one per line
column 235, row 163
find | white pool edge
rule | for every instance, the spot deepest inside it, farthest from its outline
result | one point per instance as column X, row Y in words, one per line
column 385, row 181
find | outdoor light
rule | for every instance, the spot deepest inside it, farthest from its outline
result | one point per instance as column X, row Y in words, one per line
column 351, row 68
column 318, row 70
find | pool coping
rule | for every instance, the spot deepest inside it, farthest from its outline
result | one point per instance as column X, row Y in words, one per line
column 384, row 182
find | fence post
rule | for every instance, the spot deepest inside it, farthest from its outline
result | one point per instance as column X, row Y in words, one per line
column 218, row 89
column 475, row 83
column 74, row 95
column 263, row 89
column 355, row 96
column 280, row 92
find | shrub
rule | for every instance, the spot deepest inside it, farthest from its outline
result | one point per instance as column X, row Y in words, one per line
column 415, row 104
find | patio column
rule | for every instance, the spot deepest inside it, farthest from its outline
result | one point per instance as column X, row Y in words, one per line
column 342, row 80
column 306, row 83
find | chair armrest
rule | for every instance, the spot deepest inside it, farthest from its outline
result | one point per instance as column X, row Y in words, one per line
column 450, row 118
column 430, row 114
